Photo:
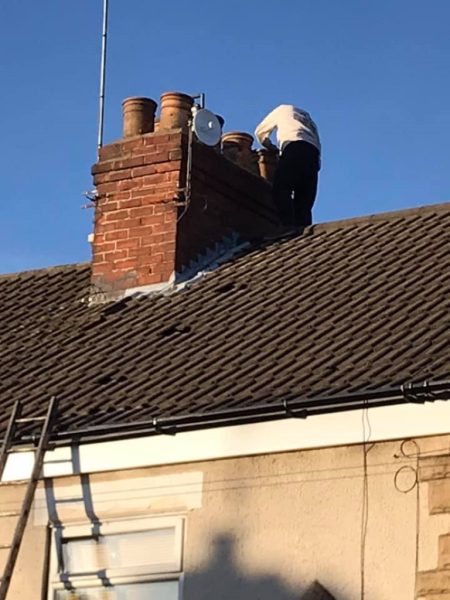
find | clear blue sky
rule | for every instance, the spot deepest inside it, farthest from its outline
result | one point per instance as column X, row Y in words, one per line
column 373, row 74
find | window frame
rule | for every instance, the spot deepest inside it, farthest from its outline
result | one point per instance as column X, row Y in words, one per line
column 158, row 572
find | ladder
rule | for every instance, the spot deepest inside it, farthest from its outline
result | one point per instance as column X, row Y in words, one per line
column 47, row 423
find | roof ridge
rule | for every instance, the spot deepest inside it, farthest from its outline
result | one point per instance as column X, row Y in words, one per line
column 66, row 267
column 383, row 216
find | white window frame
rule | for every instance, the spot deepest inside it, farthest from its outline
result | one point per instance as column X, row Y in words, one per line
column 118, row 575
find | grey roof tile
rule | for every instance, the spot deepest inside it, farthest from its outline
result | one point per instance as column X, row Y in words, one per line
column 345, row 306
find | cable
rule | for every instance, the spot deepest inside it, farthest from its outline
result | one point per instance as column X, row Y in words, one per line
column 415, row 484
column 367, row 432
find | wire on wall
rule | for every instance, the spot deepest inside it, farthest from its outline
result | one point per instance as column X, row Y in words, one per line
column 414, row 485
column 367, row 432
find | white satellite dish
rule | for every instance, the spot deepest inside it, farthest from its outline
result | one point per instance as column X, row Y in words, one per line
column 206, row 127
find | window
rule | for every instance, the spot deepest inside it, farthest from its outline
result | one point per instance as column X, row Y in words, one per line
column 133, row 559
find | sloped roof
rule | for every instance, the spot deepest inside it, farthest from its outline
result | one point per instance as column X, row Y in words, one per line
column 345, row 306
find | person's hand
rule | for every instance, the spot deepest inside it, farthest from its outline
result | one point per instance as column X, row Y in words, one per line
column 269, row 146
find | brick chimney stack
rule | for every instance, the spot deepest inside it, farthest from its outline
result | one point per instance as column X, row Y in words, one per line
column 148, row 228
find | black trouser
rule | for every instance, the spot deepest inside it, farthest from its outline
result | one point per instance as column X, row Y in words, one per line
column 295, row 183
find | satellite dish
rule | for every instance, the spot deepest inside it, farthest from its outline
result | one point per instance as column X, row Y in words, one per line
column 206, row 127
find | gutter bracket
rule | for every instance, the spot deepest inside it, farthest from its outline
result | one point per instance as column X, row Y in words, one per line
column 297, row 414
column 418, row 393
column 163, row 430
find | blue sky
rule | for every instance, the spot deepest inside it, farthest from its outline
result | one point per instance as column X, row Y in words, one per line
column 373, row 74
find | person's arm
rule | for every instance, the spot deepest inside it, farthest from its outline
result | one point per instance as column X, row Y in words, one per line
column 265, row 128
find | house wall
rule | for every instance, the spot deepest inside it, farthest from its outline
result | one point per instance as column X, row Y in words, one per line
column 267, row 526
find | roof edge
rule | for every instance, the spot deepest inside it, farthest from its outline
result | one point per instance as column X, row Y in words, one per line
column 66, row 267
column 384, row 216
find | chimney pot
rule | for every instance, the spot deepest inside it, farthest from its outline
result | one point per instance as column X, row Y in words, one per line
column 267, row 163
column 138, row 116
column 237, row 146
column 175, row 110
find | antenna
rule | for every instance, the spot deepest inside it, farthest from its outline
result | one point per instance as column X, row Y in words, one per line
column 101, row 110
column 206, row 127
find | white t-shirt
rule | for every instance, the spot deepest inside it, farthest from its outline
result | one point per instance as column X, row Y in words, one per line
column 292, row 124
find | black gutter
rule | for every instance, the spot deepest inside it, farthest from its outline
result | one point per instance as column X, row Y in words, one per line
column 411, row 393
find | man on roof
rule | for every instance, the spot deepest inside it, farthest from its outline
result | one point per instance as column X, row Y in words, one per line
column 296, row 176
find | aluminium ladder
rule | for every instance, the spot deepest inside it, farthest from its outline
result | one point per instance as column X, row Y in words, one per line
column 42, row 446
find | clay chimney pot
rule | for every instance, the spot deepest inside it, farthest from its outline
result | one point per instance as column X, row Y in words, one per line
column 237, row 146
column 175, row 110
column 138, row 116
column 267, row 163
column 241, row 138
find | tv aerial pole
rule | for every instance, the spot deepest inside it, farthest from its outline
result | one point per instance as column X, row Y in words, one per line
column 101, row 107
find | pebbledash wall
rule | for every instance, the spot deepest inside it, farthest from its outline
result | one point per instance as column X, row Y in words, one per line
column 267, row 526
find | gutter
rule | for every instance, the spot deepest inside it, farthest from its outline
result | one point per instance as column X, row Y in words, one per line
column 410, row 393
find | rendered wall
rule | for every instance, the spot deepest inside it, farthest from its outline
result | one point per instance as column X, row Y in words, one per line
column 265, row 527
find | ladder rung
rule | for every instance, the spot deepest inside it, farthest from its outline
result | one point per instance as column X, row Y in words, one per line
column 17, row 450
column 6, row 514
column 5, row 546
column 17, row 482
column 30, row 419
column 69, row 500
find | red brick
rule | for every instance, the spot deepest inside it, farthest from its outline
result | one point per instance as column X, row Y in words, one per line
column 158, row 138
column 101, row 178
column 156, row 157
column 128, row 243
column 173, row 165
column 105, row 227
column 120, row 234
column 119, row 175
column 155, row 179
column 119, row 196
column 148, row 259
column 143, row 251
column 107, row 188
column 170, row 217
column 152, row 240
column 176, row 154
column 141, row 231
column 129, row 224
column 144, row 211
column 141, row 193
column 110, row 151
column 127, row 184
column 103, row 247
column 149, row 279
column 107, row 204
column 115, row 256
column 164, row 208
column 124, row 265
column 116, row 215
column 130, row 203
column 131, row 145
column 142, row 171
column 128, row 163
column 166, row 246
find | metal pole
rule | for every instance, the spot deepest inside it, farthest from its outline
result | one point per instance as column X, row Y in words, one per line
column 101, row 116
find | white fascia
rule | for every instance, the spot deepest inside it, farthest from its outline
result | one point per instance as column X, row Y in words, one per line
column 386, row 423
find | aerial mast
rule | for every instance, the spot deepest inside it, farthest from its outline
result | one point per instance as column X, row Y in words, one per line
column 101, row 115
